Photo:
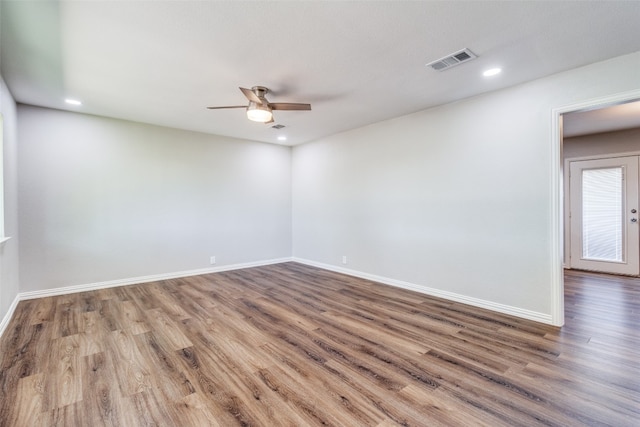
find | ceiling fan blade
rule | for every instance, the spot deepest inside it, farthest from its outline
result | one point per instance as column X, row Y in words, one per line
column 250, row 95
column 230, row 106
column 289, row 106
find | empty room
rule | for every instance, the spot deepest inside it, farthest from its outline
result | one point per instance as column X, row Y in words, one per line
column 301, row 213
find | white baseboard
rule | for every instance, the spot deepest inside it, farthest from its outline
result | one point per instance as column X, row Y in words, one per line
column 128, row 281
column 500, row 308
column 7, row 317
column 143, row 279
column 476, row 302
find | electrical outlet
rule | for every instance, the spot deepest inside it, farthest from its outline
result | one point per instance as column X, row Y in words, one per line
column 212, row 260
column 344, row 259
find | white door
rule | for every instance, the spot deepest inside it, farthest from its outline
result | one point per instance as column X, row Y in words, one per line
column 604, row 215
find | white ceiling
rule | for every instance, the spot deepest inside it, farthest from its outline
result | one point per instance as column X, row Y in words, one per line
column 356, row 62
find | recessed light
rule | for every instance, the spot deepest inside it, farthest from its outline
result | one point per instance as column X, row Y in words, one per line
column 72, row 101
column 492, row 72
column 282, row 138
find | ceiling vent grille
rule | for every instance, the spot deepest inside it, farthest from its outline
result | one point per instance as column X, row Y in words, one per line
column 452, row 60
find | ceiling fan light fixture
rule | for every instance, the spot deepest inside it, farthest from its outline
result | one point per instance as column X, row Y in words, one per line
column 260, row 109
column 259, row 112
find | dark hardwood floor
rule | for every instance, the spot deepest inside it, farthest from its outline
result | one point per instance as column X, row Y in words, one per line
column 292, row 345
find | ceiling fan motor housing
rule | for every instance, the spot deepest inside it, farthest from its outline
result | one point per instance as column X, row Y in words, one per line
column 260, row 92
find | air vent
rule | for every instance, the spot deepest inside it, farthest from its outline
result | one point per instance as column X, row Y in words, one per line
column 452, row 60
column 277, row 126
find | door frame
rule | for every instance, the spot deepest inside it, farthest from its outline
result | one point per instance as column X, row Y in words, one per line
column 557, row 192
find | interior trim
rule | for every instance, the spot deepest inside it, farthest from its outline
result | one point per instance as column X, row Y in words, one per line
column 125, row 282
column 476, row 302
column 143, row 279
column 7, row 317
column 557, row 194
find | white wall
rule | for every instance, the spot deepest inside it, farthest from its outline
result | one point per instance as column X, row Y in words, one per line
column 623, row 141
column 455, row 198
column 9, row 250
column 103, row 199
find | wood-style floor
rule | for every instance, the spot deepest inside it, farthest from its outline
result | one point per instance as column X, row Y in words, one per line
column 291, row 345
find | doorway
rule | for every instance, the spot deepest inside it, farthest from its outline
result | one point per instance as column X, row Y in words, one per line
column 559, row 190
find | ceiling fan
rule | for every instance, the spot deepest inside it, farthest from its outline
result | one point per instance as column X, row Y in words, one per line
column 261, row 110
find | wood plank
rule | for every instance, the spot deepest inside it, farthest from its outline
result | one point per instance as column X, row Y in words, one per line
column 133, row 318
column 103, row 404
column 194, row 411
column 30, row 402
column 92, row 335
column 164, row 326
column 66, row 317
column 132, row 371
column 64, row 373
column 43, row 310
column 168, row 376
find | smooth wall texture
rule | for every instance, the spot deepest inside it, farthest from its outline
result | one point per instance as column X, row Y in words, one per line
column 456, row 198
column 103, row 199
column 9, row 271
column 623, row 141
